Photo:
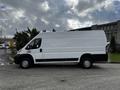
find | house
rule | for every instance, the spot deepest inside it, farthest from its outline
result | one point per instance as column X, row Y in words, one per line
column 111, row 29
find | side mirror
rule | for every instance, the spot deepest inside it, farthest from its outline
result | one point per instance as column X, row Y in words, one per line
column 28, row 47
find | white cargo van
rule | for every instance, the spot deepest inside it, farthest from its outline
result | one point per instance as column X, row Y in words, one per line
column 80, row 47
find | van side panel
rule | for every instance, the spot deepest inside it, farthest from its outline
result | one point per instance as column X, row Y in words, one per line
column 69, row 46
column 73, row 44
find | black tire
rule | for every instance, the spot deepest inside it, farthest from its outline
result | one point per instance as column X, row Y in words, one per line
column 26, row 63
column 86, row 62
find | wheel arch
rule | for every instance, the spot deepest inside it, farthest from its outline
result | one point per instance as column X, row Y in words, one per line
column 85, row 55
column 26, row 56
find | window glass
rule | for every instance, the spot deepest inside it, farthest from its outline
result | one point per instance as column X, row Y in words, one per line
column 36, row 43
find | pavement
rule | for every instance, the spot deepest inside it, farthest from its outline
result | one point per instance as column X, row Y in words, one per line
column 60, row 77
column 5, row 56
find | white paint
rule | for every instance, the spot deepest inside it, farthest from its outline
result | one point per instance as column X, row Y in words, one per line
column 68, row 44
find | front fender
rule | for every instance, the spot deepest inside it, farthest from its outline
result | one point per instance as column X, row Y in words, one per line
column 19, row 57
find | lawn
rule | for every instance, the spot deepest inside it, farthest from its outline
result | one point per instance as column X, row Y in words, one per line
column 114, row 57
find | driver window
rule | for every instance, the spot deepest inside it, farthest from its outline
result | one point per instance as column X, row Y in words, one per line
column 36, row 43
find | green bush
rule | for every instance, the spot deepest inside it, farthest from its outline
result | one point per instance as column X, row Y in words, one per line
column 22, row 38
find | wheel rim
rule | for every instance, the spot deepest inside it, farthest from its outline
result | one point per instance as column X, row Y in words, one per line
column 25, row 63
column 87, row 63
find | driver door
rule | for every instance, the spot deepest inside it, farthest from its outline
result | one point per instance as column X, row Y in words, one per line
column 34, row 49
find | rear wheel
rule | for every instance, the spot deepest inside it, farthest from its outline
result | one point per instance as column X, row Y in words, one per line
column 25, row 63
column 86, row 62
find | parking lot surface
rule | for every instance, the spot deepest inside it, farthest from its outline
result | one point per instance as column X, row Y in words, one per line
column 60, row 77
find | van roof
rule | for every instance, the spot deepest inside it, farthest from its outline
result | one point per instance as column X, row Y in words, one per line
column 89, row 33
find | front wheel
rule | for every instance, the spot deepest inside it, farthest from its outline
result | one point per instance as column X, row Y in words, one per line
column 86, row 63
column 25, row 63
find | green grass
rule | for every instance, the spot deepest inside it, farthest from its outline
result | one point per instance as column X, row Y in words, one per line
column 114, row 57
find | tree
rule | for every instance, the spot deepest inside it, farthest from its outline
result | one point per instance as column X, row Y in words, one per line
column 113, row 44
column 32, row 33
column 22, row 38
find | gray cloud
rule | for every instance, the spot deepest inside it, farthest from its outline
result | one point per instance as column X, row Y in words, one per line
column 85, row 4
column 59, row 14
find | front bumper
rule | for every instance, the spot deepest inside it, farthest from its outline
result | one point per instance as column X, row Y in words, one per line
column 17, row 59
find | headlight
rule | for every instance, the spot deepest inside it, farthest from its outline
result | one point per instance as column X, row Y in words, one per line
column 18, row 52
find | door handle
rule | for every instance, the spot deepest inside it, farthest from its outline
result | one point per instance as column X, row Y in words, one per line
column 40, row 49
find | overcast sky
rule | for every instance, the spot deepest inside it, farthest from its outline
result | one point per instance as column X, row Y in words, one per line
column 58, row 14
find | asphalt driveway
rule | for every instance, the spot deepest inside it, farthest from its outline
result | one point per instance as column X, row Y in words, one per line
column 60, row 77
